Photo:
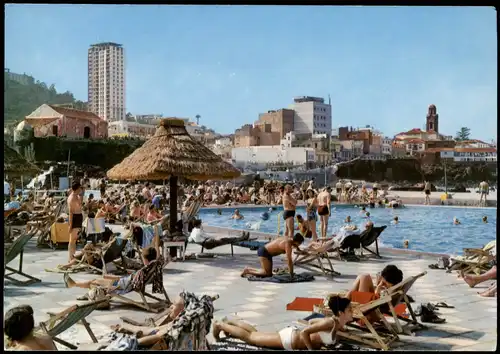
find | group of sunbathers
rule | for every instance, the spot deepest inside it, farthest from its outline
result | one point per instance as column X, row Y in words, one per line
column 321, row 331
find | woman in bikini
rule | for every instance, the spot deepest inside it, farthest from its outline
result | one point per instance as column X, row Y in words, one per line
column 320, row 332
column 312, row 206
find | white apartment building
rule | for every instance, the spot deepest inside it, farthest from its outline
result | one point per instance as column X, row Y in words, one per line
column 312, row 115
column 106, row 91
column 386, row 146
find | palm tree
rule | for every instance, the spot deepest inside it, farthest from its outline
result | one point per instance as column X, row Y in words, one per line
column 198, row 119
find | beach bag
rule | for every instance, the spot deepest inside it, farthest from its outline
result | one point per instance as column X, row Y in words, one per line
column 97, row 294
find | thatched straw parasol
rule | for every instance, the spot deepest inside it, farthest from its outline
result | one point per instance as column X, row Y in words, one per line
column 172, row 153
column 16, row 165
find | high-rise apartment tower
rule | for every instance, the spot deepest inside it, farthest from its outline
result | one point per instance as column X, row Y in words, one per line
column 107, row 81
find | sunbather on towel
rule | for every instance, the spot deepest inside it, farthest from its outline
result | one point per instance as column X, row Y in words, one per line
column 320, row 331
column 18, row 328
column 474, row 280
column 363, row 290
column 202, row 238
column 281, row 245
column 113, row 282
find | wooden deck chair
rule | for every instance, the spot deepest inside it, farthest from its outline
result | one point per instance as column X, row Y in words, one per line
column 159, row 319
column 370, row 238
column 11, row 253
column 148, row 278
column 399, row 294
column 192, row 210
column 374, row 338
column 474, row 260
column 62, row 321
column 109, row 253
column 305, row 258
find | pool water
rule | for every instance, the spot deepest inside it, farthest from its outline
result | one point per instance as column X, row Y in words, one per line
column 428, row 229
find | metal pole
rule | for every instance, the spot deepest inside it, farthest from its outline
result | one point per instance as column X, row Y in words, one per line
column 51, row 183
column 445, row 180
column 69, row 155
column 22, row 184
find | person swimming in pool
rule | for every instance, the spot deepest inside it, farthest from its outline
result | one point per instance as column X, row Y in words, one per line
column 395, row 221
column 348, row 219
column 237, row 215
column 485, row 219
column 363, row 210
column 456, row 221
column 281, row 245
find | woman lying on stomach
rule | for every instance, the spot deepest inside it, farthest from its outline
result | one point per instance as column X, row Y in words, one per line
column 320, row 332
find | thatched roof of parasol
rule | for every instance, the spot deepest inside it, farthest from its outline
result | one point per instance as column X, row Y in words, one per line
column 172, row 151
column 15, row 164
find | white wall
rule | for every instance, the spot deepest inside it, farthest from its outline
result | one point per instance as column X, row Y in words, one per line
column 312, row 118
column 272, row 154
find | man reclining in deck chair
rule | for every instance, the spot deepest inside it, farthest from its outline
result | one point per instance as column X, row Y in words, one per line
column 276, row 247
column 319, row 333
column 209, row 242
column 112, row 283
column 19, row 327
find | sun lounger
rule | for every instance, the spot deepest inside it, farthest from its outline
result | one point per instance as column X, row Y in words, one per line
column 17, row 249
column 192, row 210
column 474, row 260
column 141, row 278
column 370, row 238
column 62, row 321
column 160, row 319
column 305, row 258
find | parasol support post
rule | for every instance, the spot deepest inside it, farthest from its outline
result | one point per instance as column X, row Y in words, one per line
column 173, row 202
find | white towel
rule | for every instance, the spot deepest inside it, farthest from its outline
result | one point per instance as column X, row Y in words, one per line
column 94, row 226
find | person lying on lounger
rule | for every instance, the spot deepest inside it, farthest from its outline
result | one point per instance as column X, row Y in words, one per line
column 150, row 335
column 18, row 327
column 364, row 291
column 113, row 282
column 319, row 332
column 279, row 246
column 200, row 237
column 472, row 280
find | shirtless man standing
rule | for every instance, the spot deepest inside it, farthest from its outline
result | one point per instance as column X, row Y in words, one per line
column 289, row 205
column 324, row 212
column 75, row 218
column 281, row 245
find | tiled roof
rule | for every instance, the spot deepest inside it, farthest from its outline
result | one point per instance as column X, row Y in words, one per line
column 414, row 141
column 412, row 131
column 439, row 149
column 458, row 149
column 75, row 113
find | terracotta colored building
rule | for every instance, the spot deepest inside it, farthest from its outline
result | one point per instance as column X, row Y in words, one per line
column 50, row 120
column 347, row 133
column 281, row 120
column 258, row 135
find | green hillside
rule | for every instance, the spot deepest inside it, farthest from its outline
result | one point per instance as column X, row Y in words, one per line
column 21, row 100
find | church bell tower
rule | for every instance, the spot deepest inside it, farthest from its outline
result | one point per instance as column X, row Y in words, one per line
column 432, row 124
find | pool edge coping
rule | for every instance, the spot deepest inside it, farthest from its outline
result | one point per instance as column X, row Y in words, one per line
column 266, row 235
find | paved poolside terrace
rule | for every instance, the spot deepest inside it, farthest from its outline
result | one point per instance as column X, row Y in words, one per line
column 471, row 325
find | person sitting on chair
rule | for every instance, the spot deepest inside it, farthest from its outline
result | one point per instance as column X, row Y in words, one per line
column 281, row 245
column 18, row 325
column 113, row 282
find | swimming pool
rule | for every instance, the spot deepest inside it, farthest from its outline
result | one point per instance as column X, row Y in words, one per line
column 428, row 229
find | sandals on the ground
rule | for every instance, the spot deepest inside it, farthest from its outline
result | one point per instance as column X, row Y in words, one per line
column 433, row 266
column 444, row 305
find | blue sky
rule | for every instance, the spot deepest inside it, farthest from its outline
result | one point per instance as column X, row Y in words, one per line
column 382, row 66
